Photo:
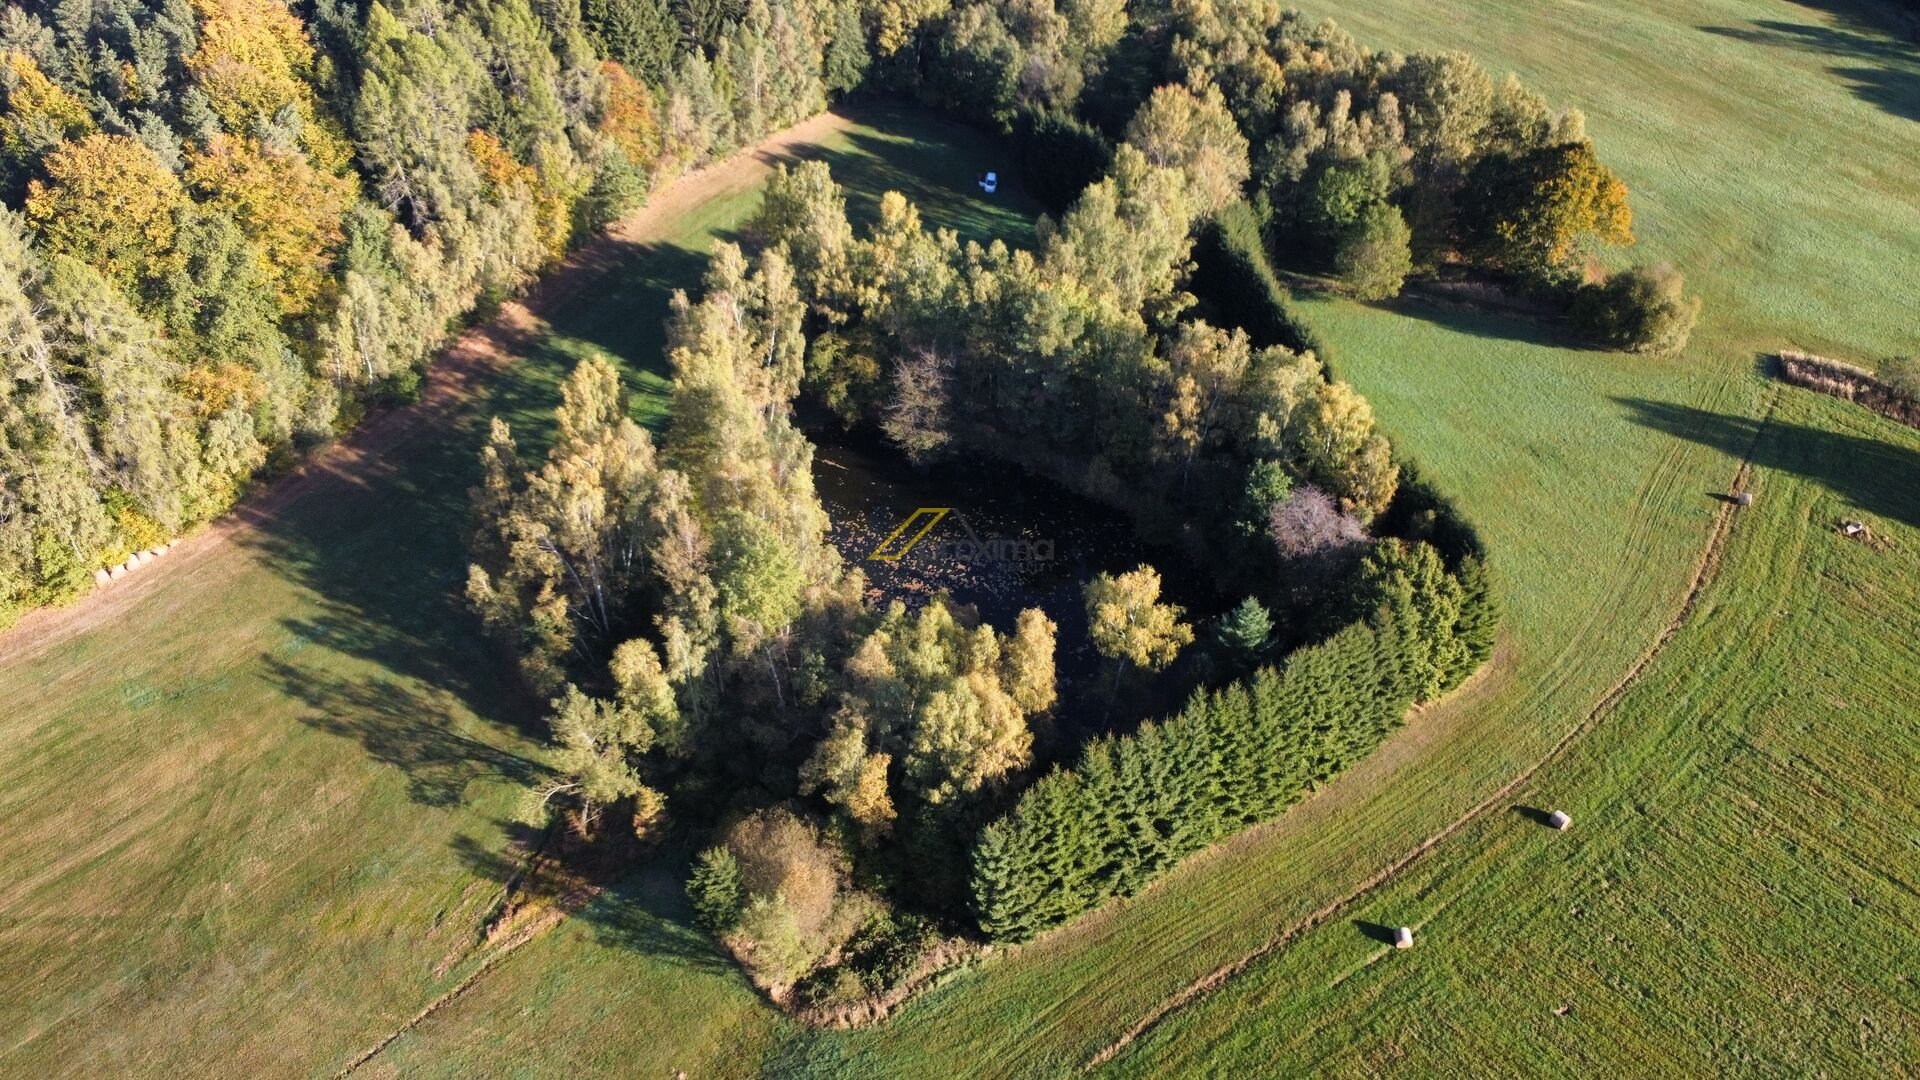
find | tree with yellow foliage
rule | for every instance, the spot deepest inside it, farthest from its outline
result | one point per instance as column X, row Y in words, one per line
column 254, row 63
column 36, row 115
column 283, row 204
column 1535, row 213
column 108, row 202
column 1130, row 626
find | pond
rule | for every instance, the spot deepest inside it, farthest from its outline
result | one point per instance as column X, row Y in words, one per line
column 1001, row 540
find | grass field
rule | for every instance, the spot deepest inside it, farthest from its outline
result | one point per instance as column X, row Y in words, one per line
column 1737, row 890
column 257, row 824
column 294, row 816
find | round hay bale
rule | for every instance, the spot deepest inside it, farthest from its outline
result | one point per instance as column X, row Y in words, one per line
column 1403, row 938
column 102, row 576
column 117, row 572
column 163, row 549
column 1560, row 820
column 1745, row 498
column 136, row 560
column 152, row 553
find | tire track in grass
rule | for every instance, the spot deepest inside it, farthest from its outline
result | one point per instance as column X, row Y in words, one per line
column 547, row 920
column 1703, row 574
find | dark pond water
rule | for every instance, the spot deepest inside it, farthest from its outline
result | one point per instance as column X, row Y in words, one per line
column 1001, row 540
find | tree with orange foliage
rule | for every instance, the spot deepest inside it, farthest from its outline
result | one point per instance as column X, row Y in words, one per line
column 1535, row 214
column 627, row 118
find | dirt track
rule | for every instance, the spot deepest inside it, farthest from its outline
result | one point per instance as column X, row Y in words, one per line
column 213, row 554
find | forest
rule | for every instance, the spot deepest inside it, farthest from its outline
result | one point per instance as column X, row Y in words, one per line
column 235, row 227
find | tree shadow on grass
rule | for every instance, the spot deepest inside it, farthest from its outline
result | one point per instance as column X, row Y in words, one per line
column 647, row 912
column 407, row 728
column 625, row 312
column 1492, row 324
column 1885, row 70
column 644, row 908
column 946, row 192
column 1878, row 477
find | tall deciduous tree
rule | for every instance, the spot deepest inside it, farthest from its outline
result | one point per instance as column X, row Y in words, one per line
column 1128, row 622
column 1194, row 133
column 109, row 203
column 1534, row 213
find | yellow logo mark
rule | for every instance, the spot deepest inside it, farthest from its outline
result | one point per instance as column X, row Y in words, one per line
column 932, row 514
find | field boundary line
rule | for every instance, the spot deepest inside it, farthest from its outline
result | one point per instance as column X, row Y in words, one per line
column 1705, row 568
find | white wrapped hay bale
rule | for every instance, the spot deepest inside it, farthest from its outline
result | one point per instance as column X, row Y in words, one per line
column 1559, row 819
column 117, row 572
column 1403, row 938
column 152, row 553
column 136, row 560
column 102, row 576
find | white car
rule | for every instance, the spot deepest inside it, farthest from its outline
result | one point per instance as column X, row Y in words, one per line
column 989, row 182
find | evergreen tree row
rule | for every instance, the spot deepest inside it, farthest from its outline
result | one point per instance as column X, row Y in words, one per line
column 1135, row 806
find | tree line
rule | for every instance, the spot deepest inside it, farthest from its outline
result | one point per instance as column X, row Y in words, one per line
column 230, row 226
column 1366, row 166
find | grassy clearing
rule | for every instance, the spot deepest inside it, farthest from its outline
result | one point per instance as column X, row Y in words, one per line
column 257, row 824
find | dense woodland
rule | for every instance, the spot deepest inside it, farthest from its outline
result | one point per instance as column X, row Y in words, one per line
column 233, row 226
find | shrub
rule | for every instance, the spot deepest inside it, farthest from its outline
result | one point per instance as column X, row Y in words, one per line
column 772, row 946
column 1375, row 254
column 1902, row 376
column 1644, row 309
column 887, row 948
column 782, row 856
